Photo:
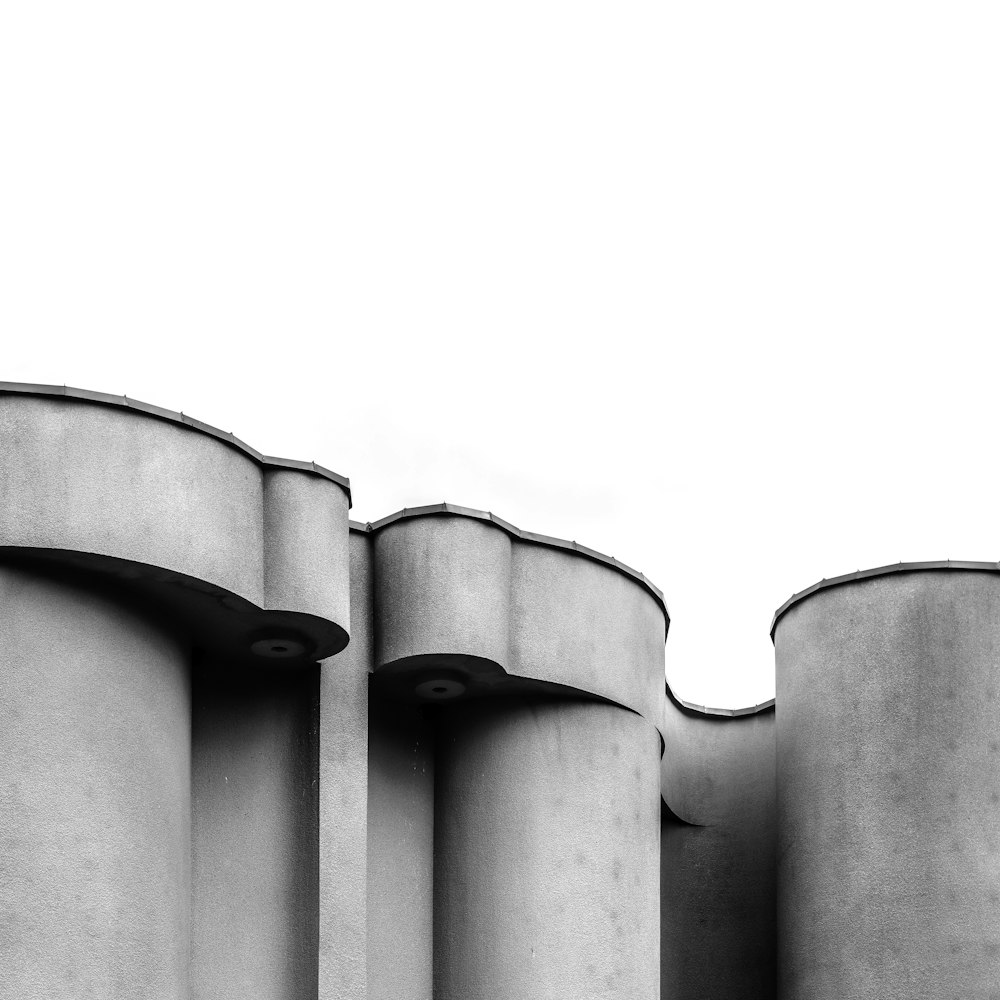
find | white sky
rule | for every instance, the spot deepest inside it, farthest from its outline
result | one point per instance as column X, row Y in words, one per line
column 711, row 287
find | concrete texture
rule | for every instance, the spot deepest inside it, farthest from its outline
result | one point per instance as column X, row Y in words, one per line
column 717, row 866
column 94, row 796
column 442, row 586
column 110, row 481
column 255, row 803
column 580, row 623
column 343, row 797
column 888, row 741
column 461, row 599
column 306, row 545
column 463, row 804
column 461, row 594
column 546, row 865
column 400, row 853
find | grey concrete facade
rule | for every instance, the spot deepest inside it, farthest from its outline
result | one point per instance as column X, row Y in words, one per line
column 889, row 798
column 250, row 748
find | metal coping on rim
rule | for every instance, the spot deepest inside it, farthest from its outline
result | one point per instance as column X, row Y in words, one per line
column 227, row 437
column 866, row 574
column 525, row 536
column 721, row 713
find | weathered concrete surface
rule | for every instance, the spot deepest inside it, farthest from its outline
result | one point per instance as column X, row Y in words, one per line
column 442, row 585
column 546, row 871
column 106, row 480
column 888, row 745
column 463, row 592
column 580, row 623
column 306, row 545
column 255, row 801
column 110, row 481
column 400, row 853
column 94, row 796
column 717, row 866
column 343, row 797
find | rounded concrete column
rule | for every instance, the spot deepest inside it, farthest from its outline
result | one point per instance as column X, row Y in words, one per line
column 95, row 729
column 888, row 777
column 546, row 871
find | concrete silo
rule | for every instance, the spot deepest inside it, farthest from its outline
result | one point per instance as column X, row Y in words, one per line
column 514, row 783
column 166, row 595
column 208, row 793
column 888, row 777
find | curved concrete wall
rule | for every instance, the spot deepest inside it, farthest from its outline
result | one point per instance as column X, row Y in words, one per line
column 481, row 747
column 546, row 852
column 580, row 623
column 126, row 482
column 96, row 787
column 717, row 868
column 115, row 482
column 442, row 587
column 888, row 741
column 115, row 515
column 306, row 554
column 274, row 827
column 460, row 591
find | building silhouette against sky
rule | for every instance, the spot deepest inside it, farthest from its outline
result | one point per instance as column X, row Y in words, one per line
column 253, row 749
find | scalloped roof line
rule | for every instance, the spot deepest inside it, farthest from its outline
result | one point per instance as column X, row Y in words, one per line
column 454, row 510
column 170, row 416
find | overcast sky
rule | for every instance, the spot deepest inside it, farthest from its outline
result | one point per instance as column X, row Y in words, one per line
column 711, row 287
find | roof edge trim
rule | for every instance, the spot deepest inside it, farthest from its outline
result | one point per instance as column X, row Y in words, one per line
column 867, row 574
column 453, row 510
column 723, row 713
column 226, row 437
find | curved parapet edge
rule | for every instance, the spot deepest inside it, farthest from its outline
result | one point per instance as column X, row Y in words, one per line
column 171, row 416
column 246, row 553
column 477, row 607
column 711, row 716
column 718, row 713
column 532, row 537
column 442, row 509
column 867, row 574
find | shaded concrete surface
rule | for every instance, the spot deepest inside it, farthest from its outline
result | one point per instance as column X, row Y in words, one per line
column 717, row 866
column 400, row 853
column 94, row 796
column 888, row 743
column 343, row 794
column 580, row 623
column 546, row 870
column 461, row 592
column 111, row 481
column 254, row 834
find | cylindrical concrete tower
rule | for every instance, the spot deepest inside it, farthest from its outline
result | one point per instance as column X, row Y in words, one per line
column 546, row 852
column 165, row 591
column 888, row 746
column 199, row 798
column 96, row 796
column 536, row 666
